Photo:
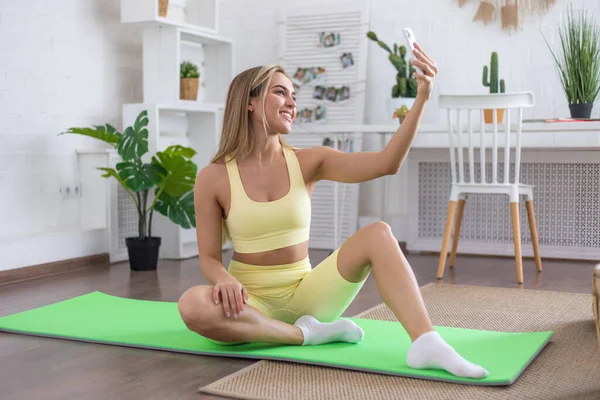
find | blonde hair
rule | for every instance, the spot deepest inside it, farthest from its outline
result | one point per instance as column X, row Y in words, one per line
column 237, row 140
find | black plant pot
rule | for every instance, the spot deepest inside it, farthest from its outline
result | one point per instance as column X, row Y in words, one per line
column 581, row 110
column 143, row 253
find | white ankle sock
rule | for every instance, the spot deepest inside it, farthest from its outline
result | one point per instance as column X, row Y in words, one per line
column 316, row 332
column 431, row 351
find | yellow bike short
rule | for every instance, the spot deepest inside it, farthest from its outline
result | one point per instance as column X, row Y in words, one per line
column 289, row 291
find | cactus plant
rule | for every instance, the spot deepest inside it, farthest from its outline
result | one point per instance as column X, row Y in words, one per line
column 494, row 85
column 492, row 81
column 405, row 86
column 188, row 70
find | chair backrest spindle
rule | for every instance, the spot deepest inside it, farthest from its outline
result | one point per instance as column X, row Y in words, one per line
column 461, row 172
column 495, row 150
column 452, row 160
column 483, row 177
column 507, row 147
column 471, row 155
column 518, row 146
column 493, row 102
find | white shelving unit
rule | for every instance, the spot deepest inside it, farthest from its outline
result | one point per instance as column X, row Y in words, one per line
column 165, row 47
column 194, row 14
column 194, row 126
column 189, row 32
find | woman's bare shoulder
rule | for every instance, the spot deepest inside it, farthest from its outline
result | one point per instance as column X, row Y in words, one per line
column 212, row 176
column 308, row 158
column 313, row 155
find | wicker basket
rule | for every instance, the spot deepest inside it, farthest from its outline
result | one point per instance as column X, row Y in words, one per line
column 162, row 7
column 188, row 88
column 596, row 298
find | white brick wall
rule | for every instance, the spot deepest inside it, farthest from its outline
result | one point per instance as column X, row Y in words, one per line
column 62, row 64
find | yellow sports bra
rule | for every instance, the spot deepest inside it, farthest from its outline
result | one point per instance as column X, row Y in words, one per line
column 262, row 226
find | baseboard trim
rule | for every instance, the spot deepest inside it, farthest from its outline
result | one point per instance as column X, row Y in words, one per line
column 500, row 250
column 504, row 256
column 15, row 275
column 403, row 247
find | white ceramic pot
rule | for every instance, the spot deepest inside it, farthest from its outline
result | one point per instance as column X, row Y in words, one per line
column 396, row 103
column 399, row 101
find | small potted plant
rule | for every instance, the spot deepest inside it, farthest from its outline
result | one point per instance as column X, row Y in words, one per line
column 494, row 85
column 404, row 91
column 189, row 81
column 401, row 113
column 578, row 63
column 169, row 178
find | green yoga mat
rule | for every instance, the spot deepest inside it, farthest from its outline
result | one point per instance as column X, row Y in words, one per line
column 101, row 318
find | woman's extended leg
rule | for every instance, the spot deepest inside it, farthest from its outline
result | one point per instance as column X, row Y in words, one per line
column 203, row 316
column 375, row 248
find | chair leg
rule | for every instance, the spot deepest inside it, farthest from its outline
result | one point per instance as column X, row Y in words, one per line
column 458, row 222
column 514, row 210
column 534, row 235
column 446, row 239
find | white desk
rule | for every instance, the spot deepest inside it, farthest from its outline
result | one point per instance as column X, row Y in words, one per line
column 538, row 135
column 559, row 142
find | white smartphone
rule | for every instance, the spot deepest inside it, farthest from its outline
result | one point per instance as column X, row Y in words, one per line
column 411, row 40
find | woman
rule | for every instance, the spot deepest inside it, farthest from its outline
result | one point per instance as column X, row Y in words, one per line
column 257, row 191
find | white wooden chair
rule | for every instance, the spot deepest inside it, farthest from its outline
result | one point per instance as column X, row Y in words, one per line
column 464, row 106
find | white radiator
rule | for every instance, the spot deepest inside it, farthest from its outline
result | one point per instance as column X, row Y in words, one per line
column 566, row 201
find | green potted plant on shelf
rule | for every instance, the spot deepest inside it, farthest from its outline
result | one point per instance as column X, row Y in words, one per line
column 404, row 90
column 496, row 85
column 578, row 62
column 169, row 177
column 189, row 78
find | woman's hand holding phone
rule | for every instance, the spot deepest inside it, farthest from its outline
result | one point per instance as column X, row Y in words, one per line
column 427, row 68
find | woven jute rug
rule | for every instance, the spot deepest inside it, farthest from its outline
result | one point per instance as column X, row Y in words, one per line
column 567, row 368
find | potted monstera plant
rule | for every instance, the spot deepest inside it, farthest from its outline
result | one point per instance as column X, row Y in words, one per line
column 166, row 183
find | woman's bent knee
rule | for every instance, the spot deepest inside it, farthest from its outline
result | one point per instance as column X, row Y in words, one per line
column 195, row 308
column 380, row 231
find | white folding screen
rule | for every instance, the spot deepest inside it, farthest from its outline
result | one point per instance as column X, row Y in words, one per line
column 344, row 62
column 332, row 38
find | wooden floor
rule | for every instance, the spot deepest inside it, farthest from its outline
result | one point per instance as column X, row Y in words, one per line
column 32, row 368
